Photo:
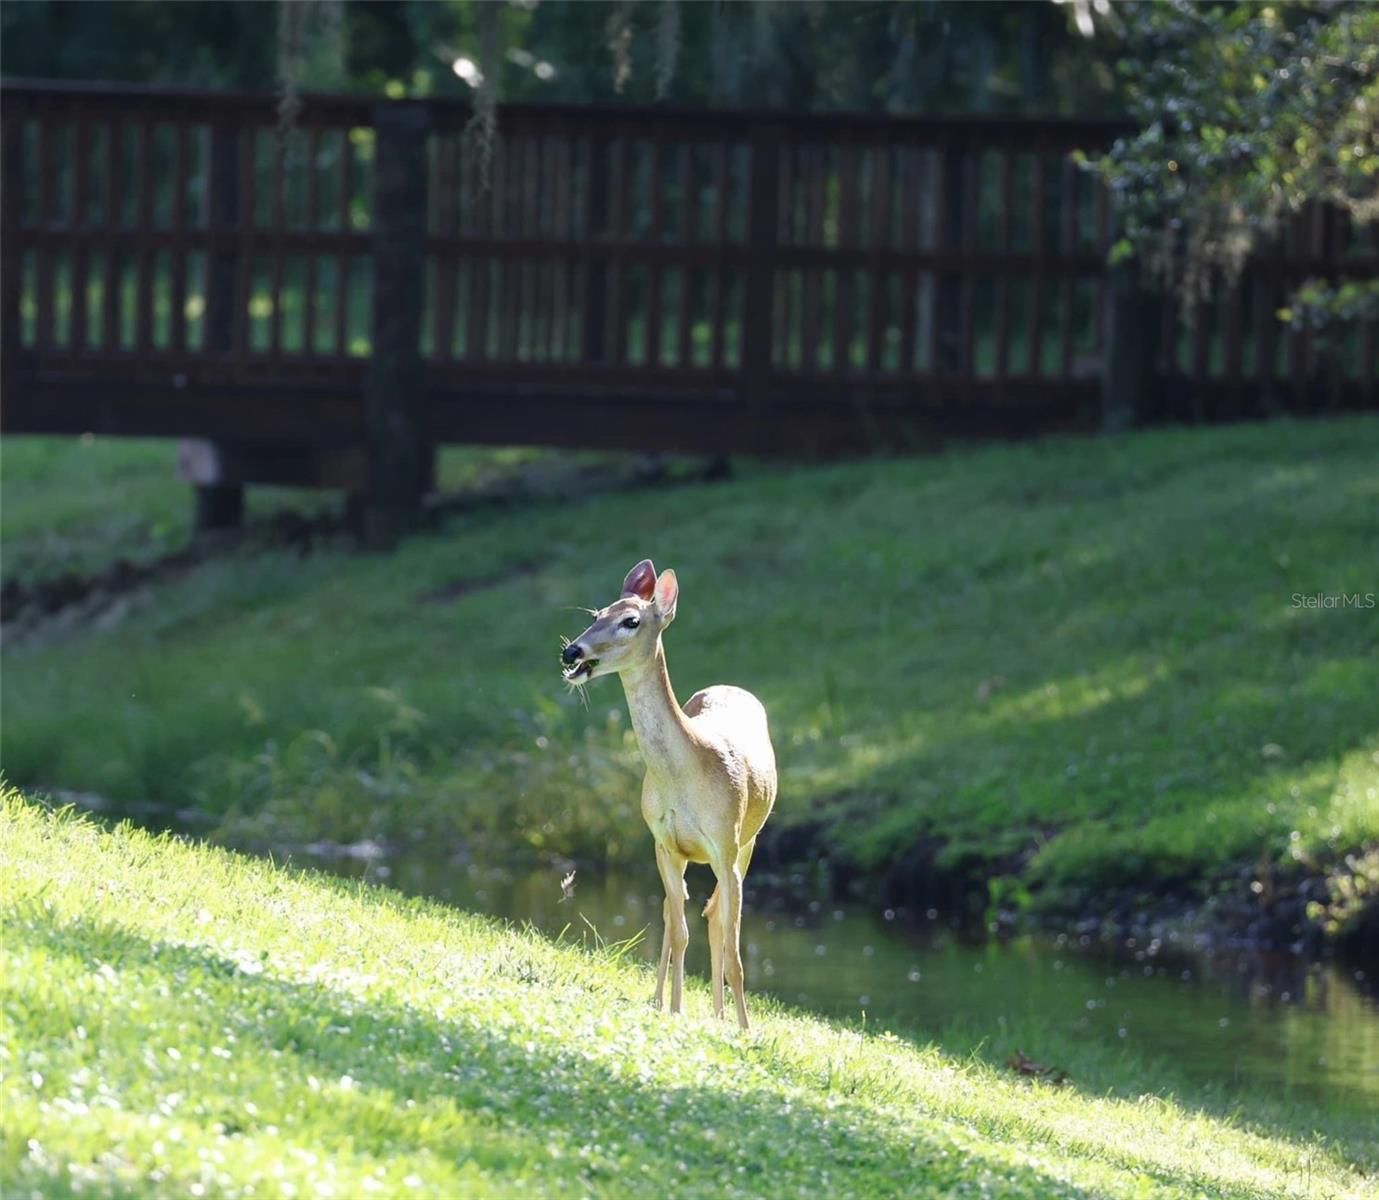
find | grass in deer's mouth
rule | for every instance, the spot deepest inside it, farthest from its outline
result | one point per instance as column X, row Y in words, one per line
column 581, row 670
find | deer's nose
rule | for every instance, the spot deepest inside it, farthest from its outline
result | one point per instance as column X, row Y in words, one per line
column 571, row 653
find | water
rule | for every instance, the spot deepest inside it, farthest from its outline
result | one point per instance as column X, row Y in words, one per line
column 1272, row 1020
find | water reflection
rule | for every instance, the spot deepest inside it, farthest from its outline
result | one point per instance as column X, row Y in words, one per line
column 1271, row 1020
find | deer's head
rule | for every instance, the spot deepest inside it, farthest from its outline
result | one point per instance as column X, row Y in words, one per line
column 624, row 635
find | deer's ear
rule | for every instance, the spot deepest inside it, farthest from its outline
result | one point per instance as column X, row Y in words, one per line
column 667, row 592
column 640, row 581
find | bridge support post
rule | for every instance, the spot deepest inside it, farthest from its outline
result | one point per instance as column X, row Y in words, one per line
column 1132, row 319
column 398, row 454
column 220, row 504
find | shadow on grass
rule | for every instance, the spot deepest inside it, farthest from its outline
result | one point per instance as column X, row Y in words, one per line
column 493, row 1097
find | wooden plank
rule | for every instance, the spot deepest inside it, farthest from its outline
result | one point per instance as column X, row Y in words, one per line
column 279, row 221
column 47, row 192
column 1006, row 184
column 144, row 254
column 1265, row 276
column 1201, row 334
column 1101, row 219
column 562, row 227
column 177, row 335
column 508, row 174
column 815, row 166
column 310, row 310
column 717, row 282
column 244, row 262
column 967, row 323
column 685, row 237
column 1067, row 239
column 224, row 194
column 592, row 279
column 654, row 278
column 882, row 242
column 13, row 170
column 476, row 266
column 542, row 267
column 843, row 294
column 1232, row 316
column 342, row 262
column 1037, row 248
column 445, row 214
column 910, row 240
column 81, row 186
column 112, row 194
column 615, row 333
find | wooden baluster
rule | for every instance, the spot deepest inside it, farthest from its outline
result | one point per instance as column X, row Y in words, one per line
column 843, row 295
column 143, row 249
column 1068, row 248
column 343, row 259
column 80, row 225
column 177, row 335
column 878, row 307
column 1038, row 242
column 688, row 212
column 310, row 311
column 46, row 128
column 1007, row 190
column 653, row 271
column 718, row 284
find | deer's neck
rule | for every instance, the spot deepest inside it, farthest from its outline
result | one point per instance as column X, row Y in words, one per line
column 661, row 726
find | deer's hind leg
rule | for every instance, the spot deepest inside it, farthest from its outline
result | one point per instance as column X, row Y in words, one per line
column 715, row 912
column 729, row 874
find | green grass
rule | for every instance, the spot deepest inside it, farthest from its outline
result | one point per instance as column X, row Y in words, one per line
column 1084, row 651
column 77, row 504
column 183, row 1021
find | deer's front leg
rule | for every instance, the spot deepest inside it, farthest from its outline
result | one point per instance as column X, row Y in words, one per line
column 713, row 912
column 672, row 868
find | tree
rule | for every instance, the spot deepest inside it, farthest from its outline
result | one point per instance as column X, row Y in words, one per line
column 1248, row 114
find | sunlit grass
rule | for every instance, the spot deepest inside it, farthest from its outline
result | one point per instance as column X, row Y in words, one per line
column 184, row 1021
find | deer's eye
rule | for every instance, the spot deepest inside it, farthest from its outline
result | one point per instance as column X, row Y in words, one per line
column 630, row 622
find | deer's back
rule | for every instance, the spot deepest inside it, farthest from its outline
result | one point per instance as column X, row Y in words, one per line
column 736, row 719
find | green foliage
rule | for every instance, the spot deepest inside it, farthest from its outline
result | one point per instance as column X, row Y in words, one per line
column 1000, row 56
column 1352, row 893
column 181, row 1021
column 1249, row 112
column 1088, row 663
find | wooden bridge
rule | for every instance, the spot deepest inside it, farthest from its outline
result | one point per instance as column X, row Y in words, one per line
column 323, row 300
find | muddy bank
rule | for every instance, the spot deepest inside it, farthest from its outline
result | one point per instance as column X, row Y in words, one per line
column 1306, row 908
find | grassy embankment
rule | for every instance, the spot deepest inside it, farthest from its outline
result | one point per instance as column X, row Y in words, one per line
column 1077, row 660
column 183, row 1021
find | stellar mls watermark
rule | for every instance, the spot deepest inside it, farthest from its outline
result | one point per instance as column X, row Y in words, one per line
column 1334, row 600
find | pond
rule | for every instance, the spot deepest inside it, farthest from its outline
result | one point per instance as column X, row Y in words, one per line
column 1246, row 1020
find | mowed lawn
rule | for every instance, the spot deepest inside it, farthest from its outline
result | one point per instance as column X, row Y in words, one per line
column 184, row 1021
column 1093, row 662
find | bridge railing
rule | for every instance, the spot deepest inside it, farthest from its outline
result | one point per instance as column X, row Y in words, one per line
column 368, row 279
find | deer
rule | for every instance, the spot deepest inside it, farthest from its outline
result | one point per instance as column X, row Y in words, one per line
column 710, row 774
